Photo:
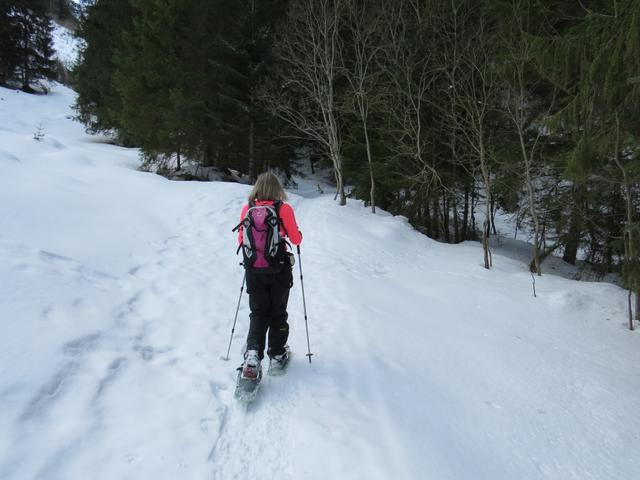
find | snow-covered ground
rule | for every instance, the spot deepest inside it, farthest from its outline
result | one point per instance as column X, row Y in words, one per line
column 117, row 294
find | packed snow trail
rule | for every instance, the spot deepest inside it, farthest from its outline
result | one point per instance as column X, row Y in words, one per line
column 118, row 290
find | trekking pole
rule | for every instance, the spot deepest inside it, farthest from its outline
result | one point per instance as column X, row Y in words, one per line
column 233, row 329
column 304, row 304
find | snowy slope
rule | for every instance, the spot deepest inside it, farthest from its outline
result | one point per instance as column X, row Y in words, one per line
column 66, row 45
column 117, row 294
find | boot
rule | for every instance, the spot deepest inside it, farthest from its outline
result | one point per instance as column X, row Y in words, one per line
column 279, row 363
column 251, row 367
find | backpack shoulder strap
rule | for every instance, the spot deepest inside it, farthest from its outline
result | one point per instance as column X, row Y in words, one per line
column 242, row 222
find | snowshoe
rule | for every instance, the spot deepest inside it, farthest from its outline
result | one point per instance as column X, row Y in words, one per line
column 278, row 364
column 249, row 376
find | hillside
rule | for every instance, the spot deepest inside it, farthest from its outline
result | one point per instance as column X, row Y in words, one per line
column 117, row 294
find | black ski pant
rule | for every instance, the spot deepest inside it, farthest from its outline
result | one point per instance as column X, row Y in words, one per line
column 268, row 297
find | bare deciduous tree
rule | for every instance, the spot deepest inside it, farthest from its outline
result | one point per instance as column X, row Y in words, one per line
column 365, row 20
column 476, row 99
column 408, row 62
column 524, row 111
column 630, row 230
column 302, row 92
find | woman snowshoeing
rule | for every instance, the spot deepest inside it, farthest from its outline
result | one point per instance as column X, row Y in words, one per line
column 265, row 224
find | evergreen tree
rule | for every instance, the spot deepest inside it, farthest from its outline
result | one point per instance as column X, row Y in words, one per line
column 26, row 34
column 179, row 81
column 223, row 122
column 9, row 52
column 257, row 22
column 596, row 63
column 35, row 44
column 180, row 78
column 102, row 29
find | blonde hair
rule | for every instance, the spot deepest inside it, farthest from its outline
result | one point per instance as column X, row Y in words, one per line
column 267, row 187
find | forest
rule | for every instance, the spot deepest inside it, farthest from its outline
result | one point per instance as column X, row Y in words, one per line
column 444, row 111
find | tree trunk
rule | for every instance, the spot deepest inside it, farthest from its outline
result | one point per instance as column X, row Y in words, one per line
column 486, row 225
column 456, row 226
column 25, row 70
column 485, row 243
column 473, row 212
column 572, row 239
column 252, row 161
column 493, row 215
column 372, row 193
column 178, row 164
column 427, row 219
column 417, row 212
column 465, row 214
column 341, row 193
column 445, row 217
column 535, row 265
column 436, row 221
column 488, row 201
column 334, row 151
column 536, row 253
column 630, row 309
column 615, row 199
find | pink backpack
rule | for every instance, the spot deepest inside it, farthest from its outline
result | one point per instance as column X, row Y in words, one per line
column 263, row 248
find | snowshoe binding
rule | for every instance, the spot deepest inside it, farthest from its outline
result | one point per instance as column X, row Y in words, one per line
column 278, row 364
column 249, row 376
